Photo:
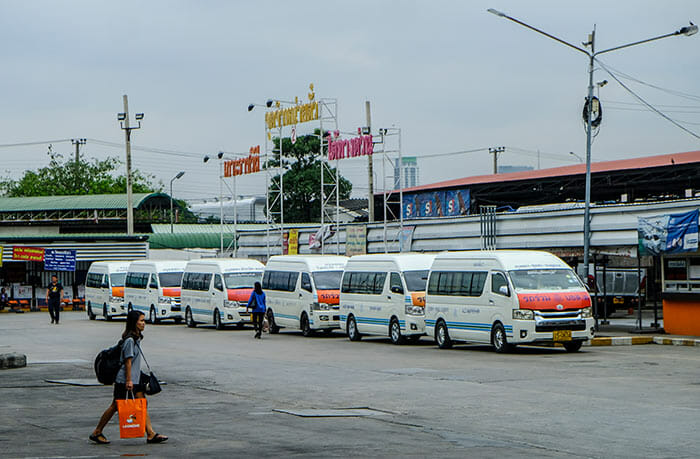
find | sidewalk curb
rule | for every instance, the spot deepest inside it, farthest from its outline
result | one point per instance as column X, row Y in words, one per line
column 676, row 341
column 621, row 340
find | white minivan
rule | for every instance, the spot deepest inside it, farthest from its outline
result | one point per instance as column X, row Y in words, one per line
column 385, row 295
column 216, row 291
column 302, row 292
column 153, row 287
column 505, row 298
column 104, row 289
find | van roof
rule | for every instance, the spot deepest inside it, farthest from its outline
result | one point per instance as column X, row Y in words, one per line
column 159, row 264
column 110, row 265
column 508, row 259
column 312, row 262
column 404, row 261
column 226, row 263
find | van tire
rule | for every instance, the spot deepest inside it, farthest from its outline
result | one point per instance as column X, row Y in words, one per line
column 153, row 316
column 189, row 320
column 91, row 315
column 105, row 313
column 274, row 329
column 395, row 332
column 217, row 320
column 442, row 335
column 499, row 341
column 178, row 320
column 305, row 326
column 352, row 331
column 573, row 346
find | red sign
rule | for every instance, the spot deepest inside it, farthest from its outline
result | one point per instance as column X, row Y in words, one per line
column 350, row 148
column 28, row 253
column 242, row 166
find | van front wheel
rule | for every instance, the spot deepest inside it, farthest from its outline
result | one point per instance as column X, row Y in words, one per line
column 395, row 332
column 105, row 312
column 274, row 329
column 217, row 320
column 353, row 333
column 442, row 336
column 499, row 341
column 152, row 316
column 91, row 315
column 189, row 320
column 573, row 346
column 305, row 326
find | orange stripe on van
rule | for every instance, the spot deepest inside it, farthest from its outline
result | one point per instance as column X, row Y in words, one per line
column 171, row 291
column 418, row 298
column 554, row 301
column 118, row 291
column 328, row 296
column 239, row 294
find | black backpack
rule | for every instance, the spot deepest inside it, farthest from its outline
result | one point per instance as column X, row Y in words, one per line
column 108, row 363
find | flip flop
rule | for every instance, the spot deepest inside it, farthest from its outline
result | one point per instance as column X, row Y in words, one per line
column 99, row 439
column 157, row 438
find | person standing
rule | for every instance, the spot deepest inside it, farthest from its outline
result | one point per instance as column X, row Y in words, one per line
column 256, row 303
column 53, row 298
column 130, row 371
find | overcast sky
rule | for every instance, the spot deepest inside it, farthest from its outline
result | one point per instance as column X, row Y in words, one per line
column 452, row 76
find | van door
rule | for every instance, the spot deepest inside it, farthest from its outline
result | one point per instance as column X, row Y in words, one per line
column 217, row 295
column 306, row 299
column 500, row 301
column 396, row 301
column 153, row 291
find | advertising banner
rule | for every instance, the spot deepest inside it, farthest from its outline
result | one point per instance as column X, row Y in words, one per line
column 355, row 240
column 293, row 242
column 450, row 203
column 27, row 253
column 406, row 238
column 59, row 260
column 673, row 233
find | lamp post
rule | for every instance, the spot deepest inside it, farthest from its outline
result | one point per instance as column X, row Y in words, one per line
column 592, row 54
column 179, row 174
column 220, row 155
column 123, row 118
column 576, row 156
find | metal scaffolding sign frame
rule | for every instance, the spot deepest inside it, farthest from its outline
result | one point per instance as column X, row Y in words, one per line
column 390, row 140
column 330, row 191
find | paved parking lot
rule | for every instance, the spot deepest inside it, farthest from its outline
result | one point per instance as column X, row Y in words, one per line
column 226, row 394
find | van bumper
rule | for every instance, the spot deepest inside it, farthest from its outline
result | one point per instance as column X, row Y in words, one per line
column 526, row 331
column 324, row 319
column 117, row 309
column 234, row 316
column 415, row 325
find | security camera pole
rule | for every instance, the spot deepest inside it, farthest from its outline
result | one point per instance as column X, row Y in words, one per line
column 124, row 122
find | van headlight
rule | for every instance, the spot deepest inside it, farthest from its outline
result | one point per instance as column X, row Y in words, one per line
column 320, row 306
column 523, row 314
column 164, row 299
column 231, row 304
column 415, row 310
column 587, row 313
column 116, row 299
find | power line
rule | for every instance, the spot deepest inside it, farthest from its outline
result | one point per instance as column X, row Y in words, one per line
column 26, row 144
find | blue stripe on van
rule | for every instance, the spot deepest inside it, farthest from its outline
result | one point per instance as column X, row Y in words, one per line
column 473, row 326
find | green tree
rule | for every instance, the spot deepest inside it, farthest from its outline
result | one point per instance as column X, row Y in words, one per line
column 66, row 177
column 302, row 179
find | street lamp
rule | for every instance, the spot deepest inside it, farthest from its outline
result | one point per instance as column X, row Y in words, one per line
column 220, row 155
column 179, row 174
column 123, row 119
column 576, row 156
column 692, row 29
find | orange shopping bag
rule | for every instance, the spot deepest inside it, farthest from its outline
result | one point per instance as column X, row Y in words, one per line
column 132, row 417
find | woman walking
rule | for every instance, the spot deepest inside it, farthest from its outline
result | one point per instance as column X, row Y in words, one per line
column 130, row 371
column 256, row 303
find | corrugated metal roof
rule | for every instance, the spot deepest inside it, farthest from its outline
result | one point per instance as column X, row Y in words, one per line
column 160, row 228
column 82, row 202
column 578, row 169
column 188, row 240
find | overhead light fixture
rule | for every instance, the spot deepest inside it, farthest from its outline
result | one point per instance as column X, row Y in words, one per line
column 251, row 107
column 139, row 116
column 206, row 158
column 268, row 104
column 121, row 116
column 692, row 29
column 220, row 155
column 180, row 174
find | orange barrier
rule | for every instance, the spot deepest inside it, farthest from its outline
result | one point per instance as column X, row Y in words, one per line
column 681, row 317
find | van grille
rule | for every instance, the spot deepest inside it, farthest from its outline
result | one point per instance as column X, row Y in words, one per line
column 547, row 321
column 175, row 304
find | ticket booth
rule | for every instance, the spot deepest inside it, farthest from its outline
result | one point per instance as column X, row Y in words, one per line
column 681, row 293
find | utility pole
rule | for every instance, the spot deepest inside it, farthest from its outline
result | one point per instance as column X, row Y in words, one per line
column 124, row 122
column 495, row 151
column 77, row 143
column 370, row 169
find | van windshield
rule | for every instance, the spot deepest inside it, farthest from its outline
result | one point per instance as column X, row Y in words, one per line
column 545, row 279
column 242, row 280
column 170, row 279
column 415, row 280
column 327, row 280
column 117, row 279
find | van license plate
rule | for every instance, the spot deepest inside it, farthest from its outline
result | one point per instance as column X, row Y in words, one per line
column 561, row 335
column 618, row 300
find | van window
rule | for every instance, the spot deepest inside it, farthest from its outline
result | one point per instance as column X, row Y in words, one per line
column 117, row 279
column 280, row 280
column 94, row 280
column 170, row 279
column 395, row 284
column 363, row 282
column 242, row 280
column 545, row 279
column 498, row 280
column 457, row 283
column 154, row 281
column 306, row 282
column 218, row 283
column 416, row 280
column 196, row 281
column 327, row 280
column 137, row 280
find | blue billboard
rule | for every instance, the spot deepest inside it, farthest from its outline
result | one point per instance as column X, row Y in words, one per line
column 450, row 203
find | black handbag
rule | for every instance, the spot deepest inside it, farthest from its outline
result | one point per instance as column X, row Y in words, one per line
column 152, row 385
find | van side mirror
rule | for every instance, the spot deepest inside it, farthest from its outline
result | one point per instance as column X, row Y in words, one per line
column 503, row 290
column 396, row 289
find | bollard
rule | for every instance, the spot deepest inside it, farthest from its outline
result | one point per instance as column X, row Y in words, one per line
column 12, row 360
